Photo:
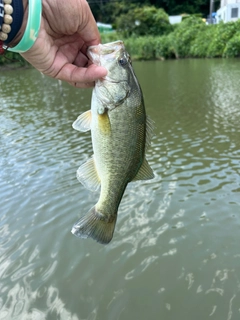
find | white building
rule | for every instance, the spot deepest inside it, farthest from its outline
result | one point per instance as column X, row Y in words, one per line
column 229, row 11
column 175, row 19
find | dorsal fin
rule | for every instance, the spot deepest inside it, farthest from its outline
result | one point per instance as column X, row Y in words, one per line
column 145, row 172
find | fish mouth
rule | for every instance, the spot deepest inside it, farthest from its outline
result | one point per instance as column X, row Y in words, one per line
column 111, row 49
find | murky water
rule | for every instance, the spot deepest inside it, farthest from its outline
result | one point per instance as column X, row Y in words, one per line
column 175, row 252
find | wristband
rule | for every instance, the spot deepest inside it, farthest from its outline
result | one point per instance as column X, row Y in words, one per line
column 32, row 28
column 6, row 11
column 17, row 17
column 1, row 13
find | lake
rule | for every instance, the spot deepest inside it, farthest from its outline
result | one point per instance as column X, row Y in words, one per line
column 175, row 253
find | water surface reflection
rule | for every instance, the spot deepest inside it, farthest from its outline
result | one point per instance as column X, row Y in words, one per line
column 175, row 250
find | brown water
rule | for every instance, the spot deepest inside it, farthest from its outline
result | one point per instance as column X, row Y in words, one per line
column 176, row 248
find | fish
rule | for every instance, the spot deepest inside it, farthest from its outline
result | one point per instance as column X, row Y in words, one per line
column 120, row 132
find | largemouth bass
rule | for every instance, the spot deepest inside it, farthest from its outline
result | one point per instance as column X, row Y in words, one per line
column 120, row 135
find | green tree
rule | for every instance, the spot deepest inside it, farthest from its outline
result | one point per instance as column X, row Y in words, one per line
column 175, row 7
column 146, row 20
column 108, row 10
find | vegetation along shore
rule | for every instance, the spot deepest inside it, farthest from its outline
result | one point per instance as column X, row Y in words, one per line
column 191, row 38
column 148, row 35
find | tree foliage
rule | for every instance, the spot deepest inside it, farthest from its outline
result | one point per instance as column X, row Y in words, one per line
column 108, row 10
column 190, row 39
column 185, row 33
column 224, row 32
column 146, row 20
column 232, row 48
column 12, row 58
column 175, row 7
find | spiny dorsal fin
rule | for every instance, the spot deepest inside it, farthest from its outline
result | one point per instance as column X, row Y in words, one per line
column 87, row 175
column 83, row 122
column 145, row 172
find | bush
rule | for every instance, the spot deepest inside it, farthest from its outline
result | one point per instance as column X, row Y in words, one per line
column 141, row 48
column 191, row 38
column 11, row 57
column 232, row 48
column 223, row 32
column 185, row 34
column 200, row 44
column 164, row 48
column 110, row 37
column 146, row 20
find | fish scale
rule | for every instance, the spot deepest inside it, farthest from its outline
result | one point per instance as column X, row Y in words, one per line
column 118, row 125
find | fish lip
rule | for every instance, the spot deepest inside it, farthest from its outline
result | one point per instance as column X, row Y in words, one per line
column 94, row 52
column 107, row 47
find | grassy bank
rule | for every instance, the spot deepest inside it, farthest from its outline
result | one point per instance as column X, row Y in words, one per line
column 192, row 38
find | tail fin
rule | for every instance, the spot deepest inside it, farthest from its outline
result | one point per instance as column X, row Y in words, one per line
column 96, row 226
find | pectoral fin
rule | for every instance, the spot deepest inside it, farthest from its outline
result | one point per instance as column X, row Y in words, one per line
column 145, row 172
column 87, row 175
column 83, row 122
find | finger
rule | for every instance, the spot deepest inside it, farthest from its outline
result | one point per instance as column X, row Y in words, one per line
column 72, row 73
column 89, row 33
column 81, row 60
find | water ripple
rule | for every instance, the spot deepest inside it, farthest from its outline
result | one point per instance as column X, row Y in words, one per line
column 176, row 242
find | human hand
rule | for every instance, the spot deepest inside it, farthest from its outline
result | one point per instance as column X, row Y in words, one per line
column 67, row 29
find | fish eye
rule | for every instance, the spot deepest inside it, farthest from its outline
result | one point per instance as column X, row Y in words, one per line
column 123, row 61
